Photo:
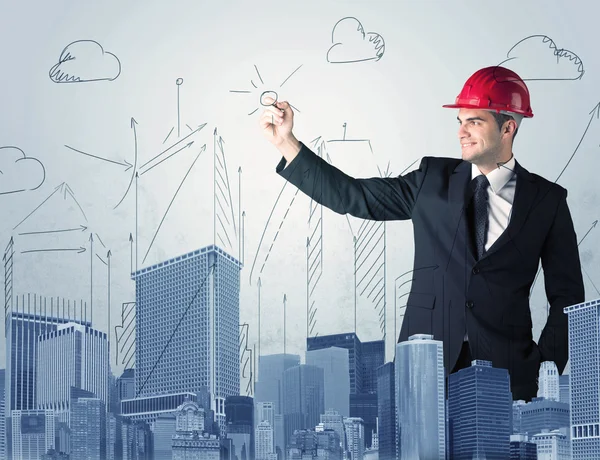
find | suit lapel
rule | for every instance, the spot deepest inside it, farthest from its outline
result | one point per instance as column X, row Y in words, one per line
column 525, row 193
column 460, row 194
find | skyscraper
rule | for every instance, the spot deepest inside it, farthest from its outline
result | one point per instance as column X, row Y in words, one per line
column 548, row 386
column 187, row 325
column 480, row 412
column 336, row 377
column 420, row 402
column 73, row 355
column 303, row 398
column 349, row 341
column 584, row 357
column 386, row 412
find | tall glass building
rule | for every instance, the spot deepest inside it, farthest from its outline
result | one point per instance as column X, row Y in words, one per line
column 584, row 357
column 480, row 412
column 420, row 401
column 187, row 326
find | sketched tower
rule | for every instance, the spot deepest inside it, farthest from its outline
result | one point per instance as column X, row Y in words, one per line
column 187, row 324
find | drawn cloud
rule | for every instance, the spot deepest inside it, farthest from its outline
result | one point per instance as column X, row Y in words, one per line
column 538, row 58
column 83, row 61
column 19, row 173
column 352, row 44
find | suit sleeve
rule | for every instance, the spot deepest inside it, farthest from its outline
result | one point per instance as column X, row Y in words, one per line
column 377, row 198
column 564, row 285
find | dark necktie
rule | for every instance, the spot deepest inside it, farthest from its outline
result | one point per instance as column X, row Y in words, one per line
column 480, row 211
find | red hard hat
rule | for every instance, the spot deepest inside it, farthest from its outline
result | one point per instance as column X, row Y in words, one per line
column 494, row 88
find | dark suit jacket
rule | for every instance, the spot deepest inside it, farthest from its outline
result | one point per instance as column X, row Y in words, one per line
column 452, row 292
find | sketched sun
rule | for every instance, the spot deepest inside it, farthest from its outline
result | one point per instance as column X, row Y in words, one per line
column 263, row 91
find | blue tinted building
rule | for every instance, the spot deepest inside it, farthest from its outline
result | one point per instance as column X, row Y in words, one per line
column 584, row 357
column 196, row 295
column 480, row 411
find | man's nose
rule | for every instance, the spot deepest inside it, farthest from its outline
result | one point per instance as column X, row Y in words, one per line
column 462, row 132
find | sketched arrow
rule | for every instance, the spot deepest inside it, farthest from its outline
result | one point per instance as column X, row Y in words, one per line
column 136, row 221
column 79, row 250
column 243, row 236
column 122, row 163
column 188, row 145
column 239, row 210
column 171, row 203
column 82, row 228
column 56, row 189
column 595, row 111
column 91, row 274
column 133, row 124
column 170, row 147
column 131, row 251
column 259, row 285
column 108, row 254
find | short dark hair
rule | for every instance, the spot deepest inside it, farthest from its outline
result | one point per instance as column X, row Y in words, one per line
column 502, row 118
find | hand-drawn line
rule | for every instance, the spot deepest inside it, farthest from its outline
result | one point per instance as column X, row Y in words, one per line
column 8, row 260
column 63, row 187
column 172, row 200
column 178, row 82
column 290, row 75
column 101, row 259
column 349, row 45
column 137, row 177
column 267, row 92
column 245, row 357
column 267, row 227
column 101, row 242
column 221, row 183
column 542, row 52
column 21, row 173
column 210, row 271
column 173, row 145
column 239, row 214
column 259, row 286
column 186, row 146
column 133, row 124
column 131, row 252
column 243, row 238
column 81, row 228
column 80, row 249
column 314, row 255
column 123, row 163
column 591, row 280
column 91, row 274
column 85, row 61
column 594, row 111
column 166, row 138
column 70, row 192
column 123, row 334
column 108, row 330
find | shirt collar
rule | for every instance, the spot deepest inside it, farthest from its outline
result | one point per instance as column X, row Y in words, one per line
column 499, row 177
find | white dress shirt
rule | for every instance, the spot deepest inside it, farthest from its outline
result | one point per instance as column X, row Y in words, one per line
column 501, row 194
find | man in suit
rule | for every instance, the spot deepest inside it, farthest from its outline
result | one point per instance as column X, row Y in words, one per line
column 481, row 225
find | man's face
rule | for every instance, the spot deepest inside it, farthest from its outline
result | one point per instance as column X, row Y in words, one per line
column 479, row 135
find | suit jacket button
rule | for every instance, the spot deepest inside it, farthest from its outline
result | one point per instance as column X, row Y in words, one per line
column 469, row 304
column 475, row 270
